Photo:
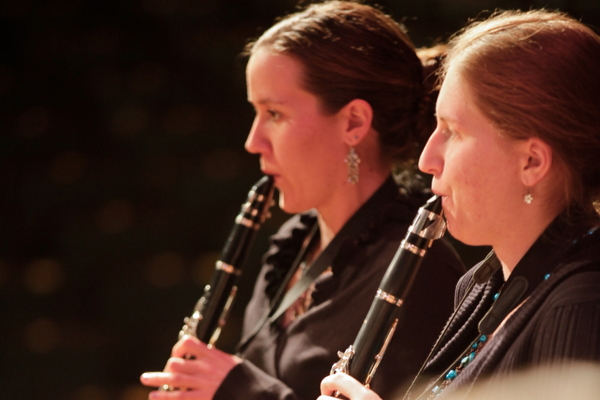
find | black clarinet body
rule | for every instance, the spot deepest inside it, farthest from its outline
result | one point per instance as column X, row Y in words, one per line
column 362, row 358
column 210, row 312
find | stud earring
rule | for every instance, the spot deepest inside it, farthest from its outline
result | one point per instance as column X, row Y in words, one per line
column 528, row 198
column 352, row 160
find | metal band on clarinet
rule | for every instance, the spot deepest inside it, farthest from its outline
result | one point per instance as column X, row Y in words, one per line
column 413, row 249
column 381, row 295
column 244, row 221
column 230, row 269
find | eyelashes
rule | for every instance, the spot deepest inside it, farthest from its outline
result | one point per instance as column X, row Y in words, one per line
column 275, row 115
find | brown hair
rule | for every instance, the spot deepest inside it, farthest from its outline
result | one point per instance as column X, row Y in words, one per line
column 353, row 51
column 536, row 74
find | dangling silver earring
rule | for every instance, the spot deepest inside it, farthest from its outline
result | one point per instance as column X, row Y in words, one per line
column 352, row 160
column 528, row 198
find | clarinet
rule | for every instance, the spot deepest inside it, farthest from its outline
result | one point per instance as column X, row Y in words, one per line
column 362, row 358
column 211, row 310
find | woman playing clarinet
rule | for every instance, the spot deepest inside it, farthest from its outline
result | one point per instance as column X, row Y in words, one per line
column 341, row 99
column 515, row 159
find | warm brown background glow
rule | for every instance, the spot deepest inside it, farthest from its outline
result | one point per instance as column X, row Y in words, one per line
column 122, row 167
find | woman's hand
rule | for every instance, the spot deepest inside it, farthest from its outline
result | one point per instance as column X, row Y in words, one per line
column 197, row 378
column 347, row 386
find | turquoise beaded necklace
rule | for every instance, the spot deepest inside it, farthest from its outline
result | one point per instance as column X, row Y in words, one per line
column 465, row 360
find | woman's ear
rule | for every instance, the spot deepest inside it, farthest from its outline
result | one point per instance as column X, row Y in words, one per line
column 358, row 119
column 536, row 161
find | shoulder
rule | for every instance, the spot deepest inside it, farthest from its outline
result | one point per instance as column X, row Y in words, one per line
column 577, row 278
column 563, row 321
column 580, row 284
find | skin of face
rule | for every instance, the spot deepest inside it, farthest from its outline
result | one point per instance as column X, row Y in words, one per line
column 475, row 168
column 299, row 145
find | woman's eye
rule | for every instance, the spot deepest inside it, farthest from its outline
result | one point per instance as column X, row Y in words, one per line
column 274, row 115
column 448, row 132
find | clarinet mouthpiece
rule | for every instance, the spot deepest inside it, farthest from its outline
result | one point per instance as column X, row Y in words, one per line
column 434, row 205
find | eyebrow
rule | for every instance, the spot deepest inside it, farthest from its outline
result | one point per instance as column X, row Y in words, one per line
column 267, row 100
column 448, row 120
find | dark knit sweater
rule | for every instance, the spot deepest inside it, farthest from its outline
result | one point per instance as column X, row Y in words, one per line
column 559, row 321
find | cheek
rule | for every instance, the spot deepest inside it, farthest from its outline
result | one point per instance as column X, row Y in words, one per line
column 312, row 149
column 470, row 183
column 289, row 147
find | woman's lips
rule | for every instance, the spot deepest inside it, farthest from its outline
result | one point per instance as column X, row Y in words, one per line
column 275, row 176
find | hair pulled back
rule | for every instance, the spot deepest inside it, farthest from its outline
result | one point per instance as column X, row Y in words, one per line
column 536, row 74
column 352, row 51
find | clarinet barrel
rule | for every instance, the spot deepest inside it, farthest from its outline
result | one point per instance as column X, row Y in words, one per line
column 362, row 358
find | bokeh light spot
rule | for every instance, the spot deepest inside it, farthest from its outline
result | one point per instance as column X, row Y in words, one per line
column 166, row 269
column 68, row 167
column 43, row 276
column 42, row 335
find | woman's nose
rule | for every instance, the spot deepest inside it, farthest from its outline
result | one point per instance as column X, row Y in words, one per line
column 431, row 160
column 254, row 142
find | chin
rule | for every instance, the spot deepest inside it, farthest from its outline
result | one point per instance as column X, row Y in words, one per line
column 465, row 237
column 456, row 233
column 288, row 206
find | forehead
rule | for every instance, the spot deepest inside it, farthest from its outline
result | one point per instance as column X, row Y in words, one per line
column 455, row 102
column 269, row 72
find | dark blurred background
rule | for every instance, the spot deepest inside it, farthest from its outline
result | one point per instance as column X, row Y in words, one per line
column 122, row 167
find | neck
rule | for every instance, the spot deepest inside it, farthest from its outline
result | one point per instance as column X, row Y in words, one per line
column 333, row 217
column 513, row 246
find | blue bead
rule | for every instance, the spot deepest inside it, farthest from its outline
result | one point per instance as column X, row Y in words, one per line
column 592, row 230
column 546, row 276
column 451, row 374
column 475, row 345
column 464, row 361
column 472, row 356
column 483, row 338
column 496, row 296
